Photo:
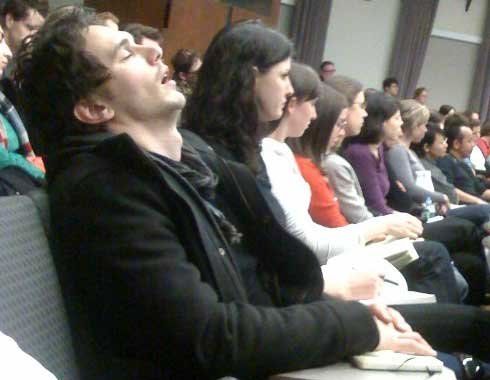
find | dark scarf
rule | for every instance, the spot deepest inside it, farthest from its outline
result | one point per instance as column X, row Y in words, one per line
column 201, row 177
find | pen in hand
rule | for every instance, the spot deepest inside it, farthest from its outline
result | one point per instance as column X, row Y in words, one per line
column 389, row 281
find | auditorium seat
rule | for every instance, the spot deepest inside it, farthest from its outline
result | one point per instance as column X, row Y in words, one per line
column 31, row 305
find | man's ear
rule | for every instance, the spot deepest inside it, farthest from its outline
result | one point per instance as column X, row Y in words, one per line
column 9, row 21
column 91, row 112
column 456, row 144
column 426, row 148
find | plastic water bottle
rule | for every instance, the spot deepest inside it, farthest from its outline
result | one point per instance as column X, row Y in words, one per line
column 429, row 210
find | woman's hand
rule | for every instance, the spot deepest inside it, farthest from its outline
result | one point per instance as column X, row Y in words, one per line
column 408, row 342
column 396, row 334
column 402, row 225
column 354, row 286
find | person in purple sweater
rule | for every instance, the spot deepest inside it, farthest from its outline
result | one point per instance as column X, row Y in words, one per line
column 365, row 151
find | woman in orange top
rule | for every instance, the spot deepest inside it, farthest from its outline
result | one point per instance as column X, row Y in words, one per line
column 309, row 149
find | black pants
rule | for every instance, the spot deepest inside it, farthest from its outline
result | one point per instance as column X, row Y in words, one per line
column 432, row 272
column 462, row 239
column 451, row 328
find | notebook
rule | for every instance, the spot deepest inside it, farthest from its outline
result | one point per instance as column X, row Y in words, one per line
column 395, row 361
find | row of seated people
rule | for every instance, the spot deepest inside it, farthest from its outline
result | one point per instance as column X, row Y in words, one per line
column 481, row 135
column 178, row 252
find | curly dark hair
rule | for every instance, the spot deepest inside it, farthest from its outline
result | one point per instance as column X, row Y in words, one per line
column 54, row 72
column 222, row 108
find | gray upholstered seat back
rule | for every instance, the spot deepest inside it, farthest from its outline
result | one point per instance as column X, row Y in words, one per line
column 31, row 305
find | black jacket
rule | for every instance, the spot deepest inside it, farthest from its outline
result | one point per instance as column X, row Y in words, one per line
column 141, row 255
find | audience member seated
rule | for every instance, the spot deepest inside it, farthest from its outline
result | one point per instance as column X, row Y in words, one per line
column 186, row 64
column 145, row 249
column 435, row 118
column 20, row 169
column 420, row 95
column 476, row 161
column 366, row 154
column 108, row 19
column 483, row 143
column 327, row 69
column 391, row 87
column 445, row 110
column 431, row 148
column 460, row 145
column 472, row 115
column 19, row 19
column 402, row 163
column 144, row 35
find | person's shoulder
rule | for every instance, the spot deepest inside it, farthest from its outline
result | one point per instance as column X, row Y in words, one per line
column 358, row 151
column 426, row 163
column 334, row 163
column 397, row 151
column 447, row 160
column 397, row 148
column 305, row 162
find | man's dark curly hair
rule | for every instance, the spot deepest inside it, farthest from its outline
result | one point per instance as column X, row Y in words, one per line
column 54, row 72
column 222, row 108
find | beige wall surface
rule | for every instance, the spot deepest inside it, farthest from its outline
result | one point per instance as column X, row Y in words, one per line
column 448, row 72
column 360, row 38
column 452, row 17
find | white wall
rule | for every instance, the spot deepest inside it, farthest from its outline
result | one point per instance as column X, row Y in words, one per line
column 448, row 72
column 452, row 53
column 360, row 38
column 451, row 16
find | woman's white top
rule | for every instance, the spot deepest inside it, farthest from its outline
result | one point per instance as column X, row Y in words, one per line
column 478, row 159
column 293, row 194
column 17, row 365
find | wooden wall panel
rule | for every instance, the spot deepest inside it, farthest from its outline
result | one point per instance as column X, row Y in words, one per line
column 191, row 23
column 148, row 12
